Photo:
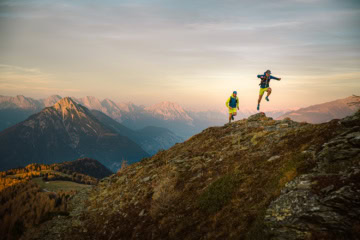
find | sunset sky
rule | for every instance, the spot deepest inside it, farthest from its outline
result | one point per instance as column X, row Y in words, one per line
column 193, row 52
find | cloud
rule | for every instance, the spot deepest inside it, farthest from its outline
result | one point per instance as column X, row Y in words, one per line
column 154, row 46
column 20, row 75
column 9, row 86
column 11, row 68
column 21, row 78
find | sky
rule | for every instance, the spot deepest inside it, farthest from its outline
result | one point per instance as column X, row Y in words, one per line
column 193, row 52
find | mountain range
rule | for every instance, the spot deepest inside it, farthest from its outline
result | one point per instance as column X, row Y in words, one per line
column 62, row 132
column 165, row 115
column 182, row 122
column 325, row 112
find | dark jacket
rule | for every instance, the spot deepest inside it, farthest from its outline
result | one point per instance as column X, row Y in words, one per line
column 265, row 81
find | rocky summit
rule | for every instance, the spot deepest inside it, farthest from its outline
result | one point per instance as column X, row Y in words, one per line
column 257, row 178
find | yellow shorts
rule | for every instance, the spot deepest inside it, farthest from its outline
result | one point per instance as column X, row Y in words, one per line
column 232, row 110
column 262, row 90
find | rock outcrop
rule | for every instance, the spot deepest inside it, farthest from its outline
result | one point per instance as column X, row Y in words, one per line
column 325, row 202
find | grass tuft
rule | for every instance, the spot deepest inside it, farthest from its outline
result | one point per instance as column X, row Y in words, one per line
column 219, row 193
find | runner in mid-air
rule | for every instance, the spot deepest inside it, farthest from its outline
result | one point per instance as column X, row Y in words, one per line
column 264, row 86
column 232, row 103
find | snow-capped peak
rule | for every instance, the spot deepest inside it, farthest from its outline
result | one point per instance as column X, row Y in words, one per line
column 169, row 111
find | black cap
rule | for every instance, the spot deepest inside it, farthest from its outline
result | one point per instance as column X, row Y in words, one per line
column 268, row 71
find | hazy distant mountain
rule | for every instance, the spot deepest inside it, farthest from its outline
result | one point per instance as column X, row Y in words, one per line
column 90, row 102
column 169, row 111
column 277, row 113
column 150, row 138
column 64, row 132
column 47, row 102
column 112, row 109
column 27, row 103
column 326, row 111
column 16, row 109
column 130, row 107
column 164, row 114
column 206, row 119
column 19, row 101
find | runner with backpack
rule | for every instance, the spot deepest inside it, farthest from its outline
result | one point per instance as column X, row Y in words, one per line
column 232, row 103
column 265, row 86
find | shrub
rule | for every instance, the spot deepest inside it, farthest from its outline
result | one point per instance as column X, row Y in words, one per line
column 219, row 193
column 165, row 195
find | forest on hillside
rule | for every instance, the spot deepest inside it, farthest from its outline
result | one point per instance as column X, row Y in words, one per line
column 25, row 204
column 79, row 171
column 27, row 199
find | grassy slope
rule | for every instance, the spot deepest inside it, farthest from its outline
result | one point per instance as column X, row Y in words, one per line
column 216, row 185
column 54, row 186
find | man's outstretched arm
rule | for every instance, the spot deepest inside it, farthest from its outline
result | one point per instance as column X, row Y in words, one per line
column 276, row 78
